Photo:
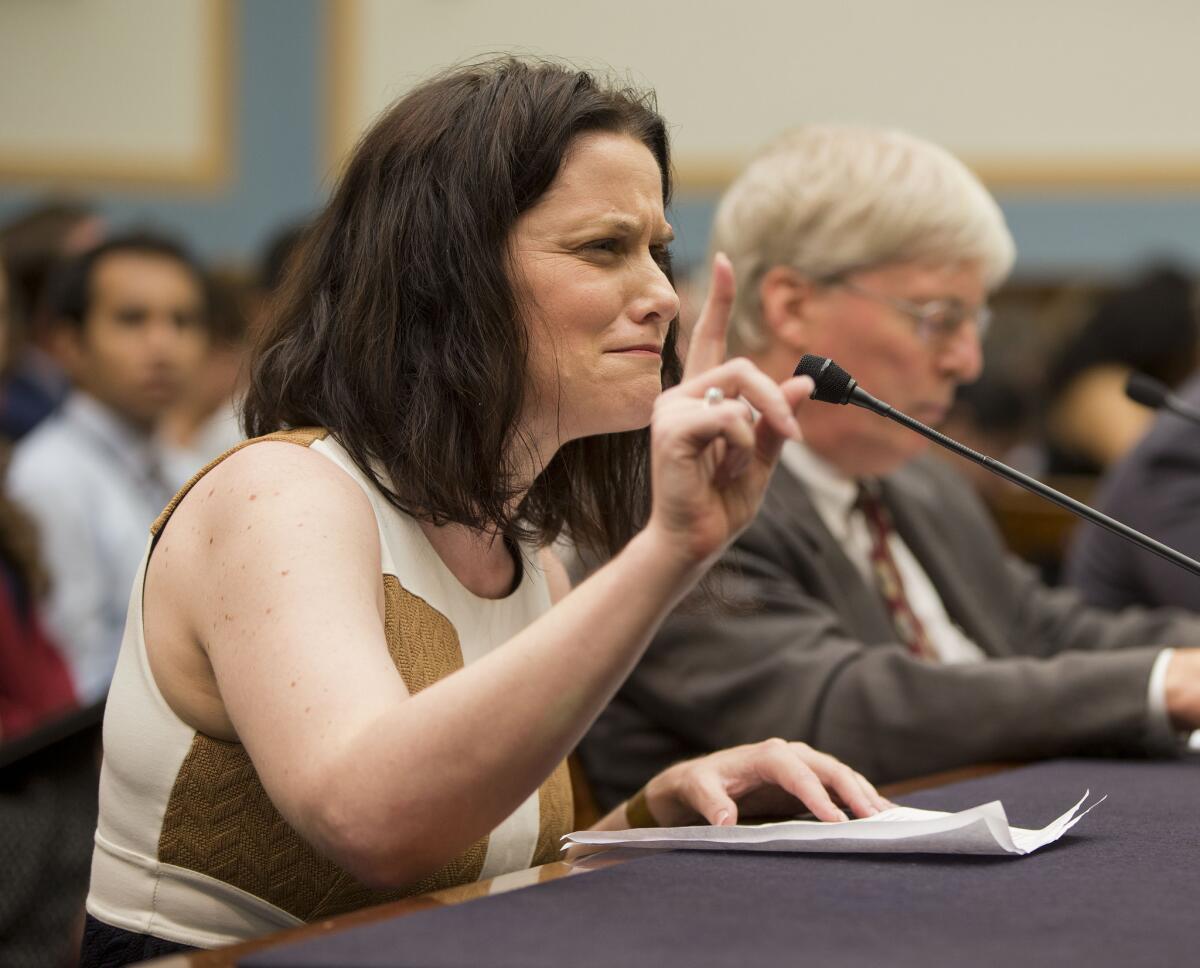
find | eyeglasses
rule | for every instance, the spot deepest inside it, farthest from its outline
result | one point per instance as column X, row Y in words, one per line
column 937, row 321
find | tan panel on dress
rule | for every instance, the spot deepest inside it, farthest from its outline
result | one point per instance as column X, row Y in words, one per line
column 220, row 822
column 442, row 655
column 556, row 815
column 408, row 619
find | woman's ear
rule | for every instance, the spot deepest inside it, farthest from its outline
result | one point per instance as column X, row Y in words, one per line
column 785, row 294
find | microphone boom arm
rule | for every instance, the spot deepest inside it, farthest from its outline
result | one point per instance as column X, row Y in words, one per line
column 860, row 398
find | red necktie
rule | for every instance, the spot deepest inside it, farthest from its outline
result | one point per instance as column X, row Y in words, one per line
column 908, row 627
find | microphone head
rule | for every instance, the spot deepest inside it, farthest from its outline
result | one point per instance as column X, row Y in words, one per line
column 831, row 384
column 1146, row 390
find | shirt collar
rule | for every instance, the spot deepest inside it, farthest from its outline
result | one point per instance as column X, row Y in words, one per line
column 114, row 434
column 832, row 491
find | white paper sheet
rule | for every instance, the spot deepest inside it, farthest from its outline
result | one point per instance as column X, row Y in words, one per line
column 902, row 830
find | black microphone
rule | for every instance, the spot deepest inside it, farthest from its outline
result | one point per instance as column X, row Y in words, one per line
column 1149, row 392
column 832, row 384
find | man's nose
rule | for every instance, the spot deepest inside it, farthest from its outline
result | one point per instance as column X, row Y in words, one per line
column 961, row 356
column 164, row 336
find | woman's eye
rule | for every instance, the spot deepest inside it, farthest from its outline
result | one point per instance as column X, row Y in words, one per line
column 604, row 245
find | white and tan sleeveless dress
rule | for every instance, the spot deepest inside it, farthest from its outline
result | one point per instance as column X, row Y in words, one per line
column 188, row 846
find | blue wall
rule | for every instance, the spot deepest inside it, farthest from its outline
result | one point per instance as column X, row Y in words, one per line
column 278, row 174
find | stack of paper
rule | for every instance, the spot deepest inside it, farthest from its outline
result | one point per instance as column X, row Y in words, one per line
column 902, row 830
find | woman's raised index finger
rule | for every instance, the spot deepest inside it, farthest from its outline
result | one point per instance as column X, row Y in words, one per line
column 706, row 348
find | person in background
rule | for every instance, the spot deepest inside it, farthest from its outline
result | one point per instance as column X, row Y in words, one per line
column 47, row 800
column 129, row 326
column 206, row 423
column 872, row 607
column 34, row 681
column 34, row 383
column 1155, row 488
column 1148, row 326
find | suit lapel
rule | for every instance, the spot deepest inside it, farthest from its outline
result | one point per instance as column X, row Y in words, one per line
column 913, row 511
column 856, row 601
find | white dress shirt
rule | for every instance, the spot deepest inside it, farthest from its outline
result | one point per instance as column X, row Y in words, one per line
column 94, row 484
column 219, row 433
column 834, row 495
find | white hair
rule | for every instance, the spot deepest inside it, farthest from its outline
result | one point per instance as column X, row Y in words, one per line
column 829, row 199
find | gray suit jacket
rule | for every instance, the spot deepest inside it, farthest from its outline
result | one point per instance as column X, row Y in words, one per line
column 802, row 647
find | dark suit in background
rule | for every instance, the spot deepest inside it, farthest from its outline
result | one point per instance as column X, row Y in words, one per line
column 1156, row 489
column 809, row 653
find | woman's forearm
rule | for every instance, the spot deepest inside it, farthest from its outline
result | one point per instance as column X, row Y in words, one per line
column 483, row 739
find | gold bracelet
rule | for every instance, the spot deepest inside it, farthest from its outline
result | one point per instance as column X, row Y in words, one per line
column 637, row 811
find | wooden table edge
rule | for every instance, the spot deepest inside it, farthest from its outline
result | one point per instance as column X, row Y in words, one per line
column 228, row 957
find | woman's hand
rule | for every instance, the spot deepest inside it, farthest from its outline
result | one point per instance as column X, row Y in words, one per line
column 774, row 778
column 712, row 459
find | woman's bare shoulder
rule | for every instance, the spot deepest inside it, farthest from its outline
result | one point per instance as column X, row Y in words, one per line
column 266, row 494
column 277, row 469
column 260, row 550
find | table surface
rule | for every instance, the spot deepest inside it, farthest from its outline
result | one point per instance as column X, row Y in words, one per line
column 229, row 957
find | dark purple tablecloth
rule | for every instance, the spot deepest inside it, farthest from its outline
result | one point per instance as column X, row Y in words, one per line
column 1119, row 889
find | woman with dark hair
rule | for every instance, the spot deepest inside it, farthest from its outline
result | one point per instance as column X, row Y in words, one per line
column 352, row 670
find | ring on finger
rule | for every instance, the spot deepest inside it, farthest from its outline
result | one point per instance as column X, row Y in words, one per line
column 713, row 396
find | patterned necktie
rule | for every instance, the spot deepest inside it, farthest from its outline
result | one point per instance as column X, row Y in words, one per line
column 908, row 627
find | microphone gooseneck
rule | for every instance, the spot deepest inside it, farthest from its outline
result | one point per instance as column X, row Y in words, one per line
column 1146, row 390
column 832, row 384
column 1151, row 393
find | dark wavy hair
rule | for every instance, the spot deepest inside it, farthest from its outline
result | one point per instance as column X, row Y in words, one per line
column 397, row 326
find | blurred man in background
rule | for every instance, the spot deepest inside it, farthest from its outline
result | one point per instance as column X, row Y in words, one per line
column 129, row 326
column 205, row 422
column 871, row 608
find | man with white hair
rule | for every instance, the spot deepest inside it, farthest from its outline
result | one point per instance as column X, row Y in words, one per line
column 871, row 609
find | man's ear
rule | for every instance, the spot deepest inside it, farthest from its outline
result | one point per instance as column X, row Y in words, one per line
column 785, row 294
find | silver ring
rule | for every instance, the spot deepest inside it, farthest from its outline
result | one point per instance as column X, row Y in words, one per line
column 713, row 396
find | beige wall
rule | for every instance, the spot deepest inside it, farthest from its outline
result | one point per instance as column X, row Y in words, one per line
column 1051, row 91
column 115, row 89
